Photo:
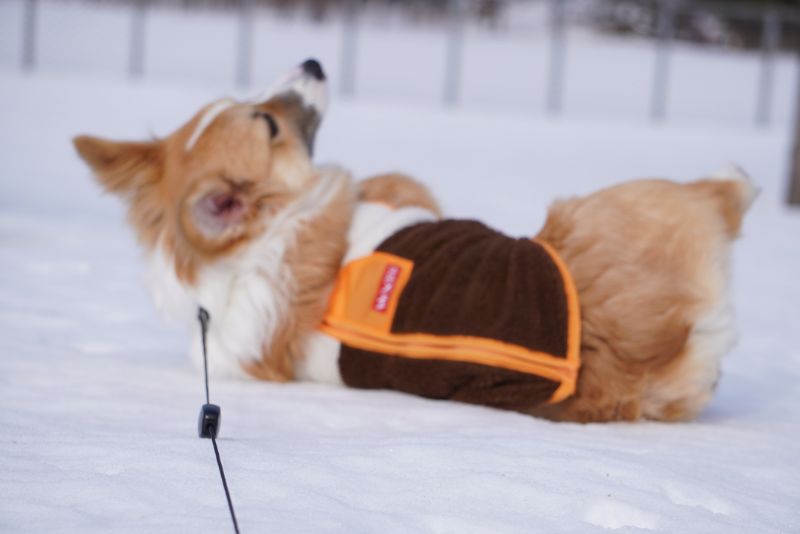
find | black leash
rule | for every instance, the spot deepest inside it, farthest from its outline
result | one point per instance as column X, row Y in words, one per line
column 210, row 416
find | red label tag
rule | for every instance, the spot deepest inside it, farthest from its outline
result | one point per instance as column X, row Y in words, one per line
column 388, row 281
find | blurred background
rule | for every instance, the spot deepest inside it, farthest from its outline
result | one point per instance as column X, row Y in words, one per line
column 729, row 65
column 585, row 79
column 730, row 62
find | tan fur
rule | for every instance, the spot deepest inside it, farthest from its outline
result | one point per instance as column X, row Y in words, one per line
column 315, row 261
column 398, row 191
column 648, row 259
column 162, row 183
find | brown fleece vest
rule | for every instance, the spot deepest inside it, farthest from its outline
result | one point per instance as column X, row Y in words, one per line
column 455, row 310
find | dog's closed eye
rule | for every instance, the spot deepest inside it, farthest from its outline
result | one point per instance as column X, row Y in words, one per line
column 272, row 124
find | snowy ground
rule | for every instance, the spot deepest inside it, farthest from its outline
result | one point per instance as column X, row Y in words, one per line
column 99, row 401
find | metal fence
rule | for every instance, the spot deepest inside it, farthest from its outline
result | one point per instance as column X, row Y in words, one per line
column 772, row 20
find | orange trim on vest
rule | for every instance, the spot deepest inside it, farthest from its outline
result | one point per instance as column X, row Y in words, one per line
column 574, row 318
column 365, row 298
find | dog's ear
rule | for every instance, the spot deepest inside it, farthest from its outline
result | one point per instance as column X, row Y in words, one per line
column 121, row 167
column 220, row 211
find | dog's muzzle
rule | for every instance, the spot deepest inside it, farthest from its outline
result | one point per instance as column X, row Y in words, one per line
column 308, row 81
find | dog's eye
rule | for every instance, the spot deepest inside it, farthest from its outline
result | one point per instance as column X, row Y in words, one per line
column 270, row 120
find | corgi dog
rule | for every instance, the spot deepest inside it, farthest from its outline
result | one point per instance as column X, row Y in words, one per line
column 234, row 216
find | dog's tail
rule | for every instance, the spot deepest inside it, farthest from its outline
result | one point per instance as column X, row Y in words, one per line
column 735, row 192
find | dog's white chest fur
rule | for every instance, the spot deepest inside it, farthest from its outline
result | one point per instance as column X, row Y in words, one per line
column 246, row 296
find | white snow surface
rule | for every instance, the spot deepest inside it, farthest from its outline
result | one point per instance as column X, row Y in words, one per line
column 98, row 401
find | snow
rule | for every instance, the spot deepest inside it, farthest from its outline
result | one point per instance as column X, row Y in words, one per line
column 99, row 400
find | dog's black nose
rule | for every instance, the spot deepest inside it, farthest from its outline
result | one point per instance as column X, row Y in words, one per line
column 312, row 67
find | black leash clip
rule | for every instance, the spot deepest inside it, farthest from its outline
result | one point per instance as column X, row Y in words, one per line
column 209, row 420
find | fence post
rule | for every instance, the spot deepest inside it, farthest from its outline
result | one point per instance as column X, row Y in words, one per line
column 28, row 62
column 794, row 164
column 455, row 52
column 244, row 48
column 136, row 52
column 555, row 76
column 770, row 41
column 666, row 27
column 347, row 87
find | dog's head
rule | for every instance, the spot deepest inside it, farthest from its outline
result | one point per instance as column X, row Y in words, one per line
column 219, row 179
